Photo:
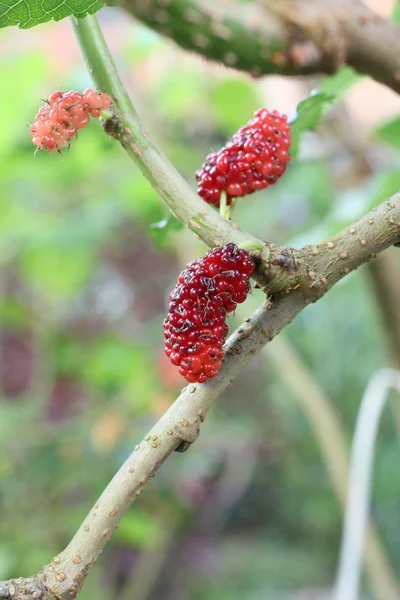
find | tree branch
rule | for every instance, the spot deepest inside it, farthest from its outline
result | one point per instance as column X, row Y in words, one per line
column 315, row 269
column 295, row 278
column 289, row 37
column 349, row 31
column 126, row 128
column 373, row 45
column 245, row 37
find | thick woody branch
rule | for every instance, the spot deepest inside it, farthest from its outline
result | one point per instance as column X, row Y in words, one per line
column 313, row 270
column 289, row 37
column 348, row 31
column 373, row 45
column 245, row 37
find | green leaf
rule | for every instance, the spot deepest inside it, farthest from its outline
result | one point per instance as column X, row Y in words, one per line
column 161, row 230
column 389, row 133
column 311, row 110
column 309, row 115
column 340, row 82
column 28, row 13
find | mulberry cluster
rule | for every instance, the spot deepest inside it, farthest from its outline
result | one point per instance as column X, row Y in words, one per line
column 63, row 115
column 195, row 328
column 252, row 160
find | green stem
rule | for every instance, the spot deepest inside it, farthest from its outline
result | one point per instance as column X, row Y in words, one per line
column 258, row 250
column 106, row 114
column 224, row 210
column 100, row 64
column 252, row 246
column 126, row 127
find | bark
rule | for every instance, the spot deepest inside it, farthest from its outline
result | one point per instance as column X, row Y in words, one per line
column 286, row 37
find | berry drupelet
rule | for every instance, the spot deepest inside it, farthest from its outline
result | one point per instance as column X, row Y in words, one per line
column 195, row 328
column 252, row 160
column 63, row 115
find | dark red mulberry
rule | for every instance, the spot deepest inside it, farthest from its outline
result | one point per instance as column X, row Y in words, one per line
column 208, row 289
column 63, row 115
column 252, row 160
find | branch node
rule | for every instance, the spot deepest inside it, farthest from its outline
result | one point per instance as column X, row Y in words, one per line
column 285, row 259
column 183, row 446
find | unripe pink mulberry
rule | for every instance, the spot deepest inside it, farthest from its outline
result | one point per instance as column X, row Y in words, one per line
column 64, row 113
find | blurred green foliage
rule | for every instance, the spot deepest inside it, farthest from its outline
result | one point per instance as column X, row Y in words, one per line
column 86, row 269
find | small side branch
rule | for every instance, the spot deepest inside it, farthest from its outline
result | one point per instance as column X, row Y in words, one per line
column 126, row 128
column 347, row 585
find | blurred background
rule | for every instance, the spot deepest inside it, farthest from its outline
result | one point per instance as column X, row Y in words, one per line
column 251, row 510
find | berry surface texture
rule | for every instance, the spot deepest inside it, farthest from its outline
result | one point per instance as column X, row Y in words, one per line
column 63, row 115
column 255, row 158
column 207, row 290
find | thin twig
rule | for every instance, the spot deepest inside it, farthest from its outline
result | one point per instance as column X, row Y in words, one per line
column 329, row 434
column 359, row 490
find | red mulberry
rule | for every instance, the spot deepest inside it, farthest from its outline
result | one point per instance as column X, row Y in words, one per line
column 252, row 160
column 63, row 115
column 208, row 289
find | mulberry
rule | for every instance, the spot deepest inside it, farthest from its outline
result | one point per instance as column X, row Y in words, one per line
column 63, row 115
column 253, row 159
column 195, row 328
